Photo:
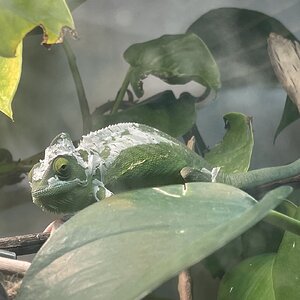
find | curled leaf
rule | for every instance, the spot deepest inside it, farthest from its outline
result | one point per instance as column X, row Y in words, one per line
column 234, row 153
column 176, row 59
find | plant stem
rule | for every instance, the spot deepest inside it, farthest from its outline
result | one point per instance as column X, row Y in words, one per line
column 84, row 107
column 121, row 93
column 283, row 221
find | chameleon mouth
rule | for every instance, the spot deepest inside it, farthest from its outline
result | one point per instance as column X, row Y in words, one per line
column 57, row 188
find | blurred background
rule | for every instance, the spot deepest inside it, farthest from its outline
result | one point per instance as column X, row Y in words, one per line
column 46, row 102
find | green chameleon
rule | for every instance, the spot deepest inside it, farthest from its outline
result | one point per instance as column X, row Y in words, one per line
column 127, row 156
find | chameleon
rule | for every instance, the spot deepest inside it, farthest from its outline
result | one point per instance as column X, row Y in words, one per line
column 127, row 156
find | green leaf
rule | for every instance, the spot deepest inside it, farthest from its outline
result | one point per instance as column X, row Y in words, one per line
column 251, row 280
column 10, row 73
column 268, row 276
column 176, row 59
column 286, row 270
column 290, row 114
column 233, row 154
column 127, row 245
column 162, row 111
column 237, row 38
column 17, row 18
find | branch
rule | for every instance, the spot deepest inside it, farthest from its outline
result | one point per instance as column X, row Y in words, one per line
column 121, row 93
column 84, row 107
column 13, row 266
column 185, row 285
column 24, row 244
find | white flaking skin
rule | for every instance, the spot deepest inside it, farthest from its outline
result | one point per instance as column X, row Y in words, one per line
column 103, row 146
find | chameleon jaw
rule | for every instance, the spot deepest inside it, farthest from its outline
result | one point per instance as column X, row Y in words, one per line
column 57, row 196
column 57, row 187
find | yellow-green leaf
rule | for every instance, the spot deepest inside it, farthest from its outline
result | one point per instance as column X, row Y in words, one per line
column 176, row 59
column 10, row 72
column 17, row 18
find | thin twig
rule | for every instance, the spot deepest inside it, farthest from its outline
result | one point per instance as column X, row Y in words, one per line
column 121, row 93
column 24, row 244
column 84, row 106
column 184, row 277
column 185, row 285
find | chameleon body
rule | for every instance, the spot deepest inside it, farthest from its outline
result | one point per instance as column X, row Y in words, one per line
column 122, row 157
column 110, row 160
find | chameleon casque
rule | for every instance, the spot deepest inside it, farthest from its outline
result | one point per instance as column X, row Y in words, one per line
column 122, row 157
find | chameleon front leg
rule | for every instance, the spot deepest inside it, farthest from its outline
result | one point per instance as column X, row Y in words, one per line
column 53, row 226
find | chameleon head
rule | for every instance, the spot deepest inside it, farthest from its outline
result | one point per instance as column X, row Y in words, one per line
column 62, row 182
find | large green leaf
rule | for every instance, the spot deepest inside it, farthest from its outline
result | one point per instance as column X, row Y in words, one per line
column 162, row 111
column 17, row 18
column 237, row 39
column 233, row 154
column 127, row 245
column 10, row 73
column 286, row 270
column 176, row 59
column 251, row 280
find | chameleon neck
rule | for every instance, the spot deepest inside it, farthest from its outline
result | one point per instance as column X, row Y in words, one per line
column 261, row 177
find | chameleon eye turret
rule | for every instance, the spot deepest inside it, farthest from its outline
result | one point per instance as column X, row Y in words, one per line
column 62, row 168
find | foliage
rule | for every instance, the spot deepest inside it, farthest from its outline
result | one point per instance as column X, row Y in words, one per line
column 17, row 18
column 148, row 219
column 138, row 239
column 266, row 276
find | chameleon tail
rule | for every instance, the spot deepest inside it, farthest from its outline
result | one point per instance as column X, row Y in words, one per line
column 248, row 180
column 261, row 177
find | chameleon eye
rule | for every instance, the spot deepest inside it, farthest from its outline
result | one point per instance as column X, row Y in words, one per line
column 61, row 166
